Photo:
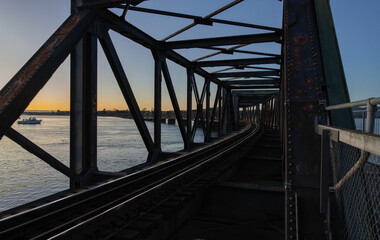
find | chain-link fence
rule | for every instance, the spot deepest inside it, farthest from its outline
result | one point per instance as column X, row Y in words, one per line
column 355, row 162
column 358, row 198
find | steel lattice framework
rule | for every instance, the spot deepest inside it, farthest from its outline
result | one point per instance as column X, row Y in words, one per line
column 309, row 76
column 90, row 22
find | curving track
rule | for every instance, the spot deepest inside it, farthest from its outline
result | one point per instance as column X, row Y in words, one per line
column 107, row 210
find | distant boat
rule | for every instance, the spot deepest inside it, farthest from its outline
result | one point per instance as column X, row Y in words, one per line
column 31, row 120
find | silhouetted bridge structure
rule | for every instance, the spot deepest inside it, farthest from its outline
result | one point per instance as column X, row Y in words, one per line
column 286, row 161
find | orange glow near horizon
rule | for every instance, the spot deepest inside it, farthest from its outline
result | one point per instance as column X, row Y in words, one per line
column 54, row 106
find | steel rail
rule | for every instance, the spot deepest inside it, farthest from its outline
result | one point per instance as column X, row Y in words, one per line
column 83, row 227
column 67, row 207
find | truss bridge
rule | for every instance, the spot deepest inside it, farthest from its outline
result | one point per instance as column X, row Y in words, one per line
column 280, row 158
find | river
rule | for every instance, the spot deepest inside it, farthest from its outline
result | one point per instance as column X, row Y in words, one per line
column 24, row 177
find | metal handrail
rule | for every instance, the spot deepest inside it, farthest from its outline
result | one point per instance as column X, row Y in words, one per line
column 370, row 103
column 361, row 103
column 364, row 141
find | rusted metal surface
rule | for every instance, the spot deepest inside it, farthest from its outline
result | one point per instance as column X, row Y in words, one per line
column 303, row 93
column 24, row 86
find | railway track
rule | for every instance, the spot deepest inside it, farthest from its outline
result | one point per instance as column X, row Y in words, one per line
column 108, row 210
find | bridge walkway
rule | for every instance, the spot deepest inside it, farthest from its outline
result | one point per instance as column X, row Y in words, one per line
column 247, row 201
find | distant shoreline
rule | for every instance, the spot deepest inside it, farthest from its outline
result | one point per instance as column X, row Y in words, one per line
column 147, row 115
column 358, row 113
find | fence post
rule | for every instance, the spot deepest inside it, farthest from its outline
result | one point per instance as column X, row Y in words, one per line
column 325, row 169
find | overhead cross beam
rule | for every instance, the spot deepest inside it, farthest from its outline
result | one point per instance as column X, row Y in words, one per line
column 233, row 50
column 220, row 41
column 254, row 86
column 128, row 30
column 204, row 19
column 108, row 3
column 239, row 62
column 249, row 82
column 246, row 74
column 198, row 19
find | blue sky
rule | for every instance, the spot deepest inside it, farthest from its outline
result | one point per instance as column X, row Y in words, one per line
column 25, row 25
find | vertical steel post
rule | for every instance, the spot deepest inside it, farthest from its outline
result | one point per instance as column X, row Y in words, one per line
column 370, row 123
column 250, row 113
column 363, row 121
column 220, row 113
column 189, row 107
column 325, row 172
column 336, row 85
column 83, row 106
column 236, row 110
column 213, row 113
column 127, row 92
column 208, row 131
column 230, row 112
column 304, row 92
column 263, row 112
column 224, row 111
column 277, row 112
column 157, row 102
column 273, row 113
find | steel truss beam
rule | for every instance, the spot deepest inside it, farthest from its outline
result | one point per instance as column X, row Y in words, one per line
column 201, row 20
column 78, row 36
column 303, row 94
column 253, row 86
column 24, row 86
column 108, row 3
column 216, row 101
column 190, row 75
column 83, row 109
column 128, row 30
column 204, row 20
column 199, row 118
column 254, row 92
column 238, row 62
column 249, row 102
column 209, row 42
column 232, row 51
column 252, row 82
column 157, row 99
column 42, row 154
column 127, row 92
column 246, row 74
column 208, row 130
column 177, row 111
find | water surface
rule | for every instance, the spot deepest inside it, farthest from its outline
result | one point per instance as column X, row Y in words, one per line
column 24, row 177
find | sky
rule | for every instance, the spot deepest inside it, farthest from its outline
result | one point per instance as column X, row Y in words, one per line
column 25, row 25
